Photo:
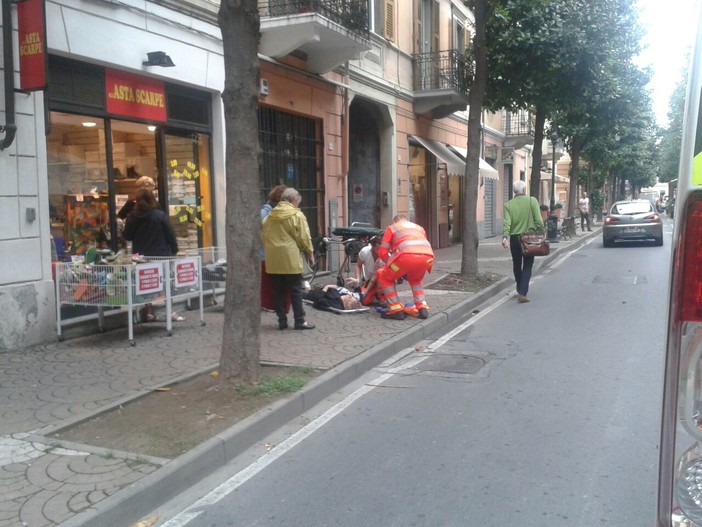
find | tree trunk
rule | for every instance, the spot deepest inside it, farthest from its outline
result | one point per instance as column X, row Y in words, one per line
column 469, row 257
column 539, row 121
column 574, row 175
column 240, row 356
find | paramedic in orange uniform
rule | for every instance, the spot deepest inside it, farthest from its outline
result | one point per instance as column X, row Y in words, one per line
column 410, row 256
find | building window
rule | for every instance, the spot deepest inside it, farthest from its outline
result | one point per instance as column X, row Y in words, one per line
column 291, row 149
column 382, row 19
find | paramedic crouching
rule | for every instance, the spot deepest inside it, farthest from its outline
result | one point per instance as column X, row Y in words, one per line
column 408, row 254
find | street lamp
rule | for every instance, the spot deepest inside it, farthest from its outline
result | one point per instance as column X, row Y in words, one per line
column 552, row 221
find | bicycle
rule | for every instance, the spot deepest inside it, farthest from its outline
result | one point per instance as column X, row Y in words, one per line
column 353, row 239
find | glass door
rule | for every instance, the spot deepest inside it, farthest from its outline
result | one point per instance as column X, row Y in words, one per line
column 186, row 160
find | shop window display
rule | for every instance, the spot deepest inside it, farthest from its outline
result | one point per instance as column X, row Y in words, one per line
column 83, row 212
column 78, row 197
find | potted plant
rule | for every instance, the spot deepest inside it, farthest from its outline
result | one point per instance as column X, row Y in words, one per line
column 558, row 207
column 544, row 211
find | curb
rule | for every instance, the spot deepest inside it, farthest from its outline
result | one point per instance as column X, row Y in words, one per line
column 143, row 497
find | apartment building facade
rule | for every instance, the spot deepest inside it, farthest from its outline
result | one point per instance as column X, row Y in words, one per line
column 362, row 108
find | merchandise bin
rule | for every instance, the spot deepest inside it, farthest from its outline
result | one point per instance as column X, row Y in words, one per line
column 127, row 285
column 214, row 269
column 184, row 275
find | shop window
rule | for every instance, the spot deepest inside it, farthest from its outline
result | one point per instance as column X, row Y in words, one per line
column 189, row 190
column 82, row 169
column 78, row 189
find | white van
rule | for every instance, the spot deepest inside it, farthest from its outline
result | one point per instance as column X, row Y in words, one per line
column 680, row 468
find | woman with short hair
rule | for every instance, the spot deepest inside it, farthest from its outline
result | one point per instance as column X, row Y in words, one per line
column 286, row 235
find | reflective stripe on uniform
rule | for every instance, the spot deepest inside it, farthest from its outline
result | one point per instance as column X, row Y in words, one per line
column 413, row 243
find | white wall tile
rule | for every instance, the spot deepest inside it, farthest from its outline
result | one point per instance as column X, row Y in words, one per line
column 14, row 255
column 27, row 228
column 27, row 176
column 9, row 218
column 8, row 175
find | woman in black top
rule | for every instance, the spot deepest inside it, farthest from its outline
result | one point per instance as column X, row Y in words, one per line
column 151, row 234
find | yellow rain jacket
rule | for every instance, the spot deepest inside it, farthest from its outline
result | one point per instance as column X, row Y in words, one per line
column 285, row 235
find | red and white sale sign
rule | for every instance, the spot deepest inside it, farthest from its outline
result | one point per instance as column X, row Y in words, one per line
column 149, row 278
column 186, row 272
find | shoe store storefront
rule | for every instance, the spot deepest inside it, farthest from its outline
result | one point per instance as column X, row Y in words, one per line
column 106, row 129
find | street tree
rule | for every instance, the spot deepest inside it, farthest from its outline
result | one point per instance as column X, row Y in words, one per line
column 239, row 23
column 469, row 257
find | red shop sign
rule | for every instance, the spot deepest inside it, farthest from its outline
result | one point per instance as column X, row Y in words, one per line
column 149, row 278
column 186, row 272
column 31, row 28
column 135, row 96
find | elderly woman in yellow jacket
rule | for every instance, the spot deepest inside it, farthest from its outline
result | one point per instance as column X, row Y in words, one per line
column 286, row 236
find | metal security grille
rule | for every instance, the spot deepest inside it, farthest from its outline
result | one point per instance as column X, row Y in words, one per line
column 76, row 83
column 292, row 155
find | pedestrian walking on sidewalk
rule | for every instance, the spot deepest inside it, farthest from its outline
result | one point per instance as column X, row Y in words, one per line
column 520, row 213
column 412, row 256
column 286, row 235
column 584, row 206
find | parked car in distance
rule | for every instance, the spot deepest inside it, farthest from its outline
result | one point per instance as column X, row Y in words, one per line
column 634, row 220
column 654, row 197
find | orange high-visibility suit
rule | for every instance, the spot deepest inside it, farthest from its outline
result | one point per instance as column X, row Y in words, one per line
column 411, row 258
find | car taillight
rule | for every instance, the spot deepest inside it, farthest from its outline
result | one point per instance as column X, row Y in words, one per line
column 611, row 219
column 652, row 217
column 691, row 257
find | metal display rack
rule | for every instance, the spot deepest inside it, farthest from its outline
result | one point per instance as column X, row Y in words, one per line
column 214, row 269
column 128, row 285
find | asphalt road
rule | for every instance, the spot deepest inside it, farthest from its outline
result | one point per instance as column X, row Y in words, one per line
column 539, row 414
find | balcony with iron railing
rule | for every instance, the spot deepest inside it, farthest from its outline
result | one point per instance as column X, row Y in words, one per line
column 518, row 128
column 441, row 80
column 326, row 33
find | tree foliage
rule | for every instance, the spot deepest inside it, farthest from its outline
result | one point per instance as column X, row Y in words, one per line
column 532, row 50
column 571, row 63
column 671, row 136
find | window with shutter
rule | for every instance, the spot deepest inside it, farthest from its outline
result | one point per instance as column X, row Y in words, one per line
column 418, row 27
column 390, row 20
column 435, row 21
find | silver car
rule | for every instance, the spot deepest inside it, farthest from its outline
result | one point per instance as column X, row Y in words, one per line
column 634, row 220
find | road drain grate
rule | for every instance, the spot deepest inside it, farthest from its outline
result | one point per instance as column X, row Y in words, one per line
column 461, row 364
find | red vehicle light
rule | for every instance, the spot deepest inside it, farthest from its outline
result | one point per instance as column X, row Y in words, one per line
column 652, row 217
column 691, row 259
column 611, row 219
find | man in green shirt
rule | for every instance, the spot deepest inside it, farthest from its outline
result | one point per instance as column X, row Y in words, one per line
column 521, row 214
